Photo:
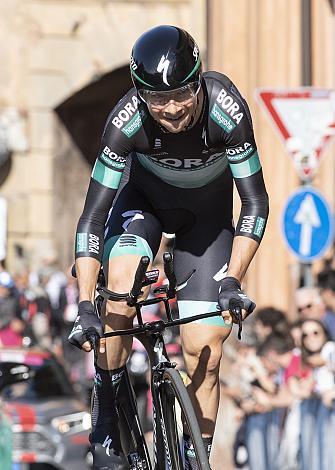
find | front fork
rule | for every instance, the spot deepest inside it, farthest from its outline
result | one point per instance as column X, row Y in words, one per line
column 159, row 361
column 133, row 445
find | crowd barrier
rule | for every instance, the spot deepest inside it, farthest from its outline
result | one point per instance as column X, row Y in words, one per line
column 299, row 438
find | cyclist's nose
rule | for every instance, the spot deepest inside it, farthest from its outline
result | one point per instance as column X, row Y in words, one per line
column 172, row 109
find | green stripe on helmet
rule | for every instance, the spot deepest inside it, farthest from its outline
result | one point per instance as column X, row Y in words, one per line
column 140, row 79
column 195, row 68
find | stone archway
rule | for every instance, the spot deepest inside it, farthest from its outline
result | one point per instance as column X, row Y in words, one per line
column 84, row 113
column 81, row 120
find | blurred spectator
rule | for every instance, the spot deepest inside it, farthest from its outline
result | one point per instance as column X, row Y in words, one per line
column 11, row 327
column 68, row 302
column 326, row 284
column 309, row 305
column 319, row 353
column 8, row 303
column 34, row 308
column 51, row 277
column 65, row 315
column 317, row 418
column 268, row 320
column 44, row 282
column 264, row 407
column 295, row 331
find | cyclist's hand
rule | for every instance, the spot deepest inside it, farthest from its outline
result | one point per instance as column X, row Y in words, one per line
column 87, row 329
column 232, row 294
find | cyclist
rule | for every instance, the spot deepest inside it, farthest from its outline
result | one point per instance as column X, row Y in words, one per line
column 170, row 151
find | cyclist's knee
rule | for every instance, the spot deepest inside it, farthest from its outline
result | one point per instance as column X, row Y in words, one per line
column 122, row 309
column 120, row 272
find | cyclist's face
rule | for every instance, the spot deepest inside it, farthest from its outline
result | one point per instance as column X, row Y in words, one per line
column 174, row 111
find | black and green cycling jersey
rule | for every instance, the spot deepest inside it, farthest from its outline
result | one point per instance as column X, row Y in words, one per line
column 178, row 183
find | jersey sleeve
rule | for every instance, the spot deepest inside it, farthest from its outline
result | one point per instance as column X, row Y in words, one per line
column 241, row 151
column 116, row 145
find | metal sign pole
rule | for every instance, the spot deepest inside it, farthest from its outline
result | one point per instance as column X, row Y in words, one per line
column 306, row 277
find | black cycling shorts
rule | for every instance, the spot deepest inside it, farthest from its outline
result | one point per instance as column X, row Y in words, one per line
column 200, row 218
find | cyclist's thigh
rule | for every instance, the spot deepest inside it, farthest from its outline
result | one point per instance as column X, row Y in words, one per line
column 132, row 231
column 207, row 249
column 209, row 255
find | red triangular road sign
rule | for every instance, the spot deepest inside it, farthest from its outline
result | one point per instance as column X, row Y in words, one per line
column 305, row 120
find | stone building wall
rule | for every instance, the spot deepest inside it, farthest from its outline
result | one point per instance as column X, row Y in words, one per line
column 258, row 44
column 52, row 49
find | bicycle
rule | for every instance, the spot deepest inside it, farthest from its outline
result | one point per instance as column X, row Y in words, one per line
column 172, row 408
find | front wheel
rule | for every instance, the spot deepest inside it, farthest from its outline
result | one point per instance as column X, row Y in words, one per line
column 177, row 414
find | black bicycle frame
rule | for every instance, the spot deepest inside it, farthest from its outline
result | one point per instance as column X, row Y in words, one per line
column 153, row 341
column 151, row 336
column 159, row 361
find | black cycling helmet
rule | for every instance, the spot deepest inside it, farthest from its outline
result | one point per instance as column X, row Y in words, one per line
column 165, row 58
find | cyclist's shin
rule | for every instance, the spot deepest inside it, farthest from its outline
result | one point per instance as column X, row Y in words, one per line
column 105, row 437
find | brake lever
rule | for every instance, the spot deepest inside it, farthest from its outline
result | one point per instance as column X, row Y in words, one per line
column 237, row 316
column 235, row 309
column 94, row 339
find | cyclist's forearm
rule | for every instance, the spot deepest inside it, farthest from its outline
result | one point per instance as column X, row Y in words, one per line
column 255, row 207
column 251, row 223
column 91, row 225
column 87, row 270
column 242, row 253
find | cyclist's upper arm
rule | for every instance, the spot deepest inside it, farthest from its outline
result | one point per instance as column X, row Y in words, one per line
column 106, row 175
column 233, row 116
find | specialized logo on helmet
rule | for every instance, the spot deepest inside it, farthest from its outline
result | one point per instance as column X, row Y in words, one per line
column 163, row 67
column 133, row 64
column 196, row 53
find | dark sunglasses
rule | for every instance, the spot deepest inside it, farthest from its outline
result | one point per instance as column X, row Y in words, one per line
column 314, row 333
column 300, row 309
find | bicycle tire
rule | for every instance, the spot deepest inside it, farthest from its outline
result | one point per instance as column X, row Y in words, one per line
column 173, row 399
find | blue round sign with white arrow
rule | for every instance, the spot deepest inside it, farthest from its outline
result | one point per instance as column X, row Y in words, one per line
column 308, row 224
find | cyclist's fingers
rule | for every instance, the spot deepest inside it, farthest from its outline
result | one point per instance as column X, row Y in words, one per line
column 102, row 347
column 86, row 346
column 245, row 314
column 227, row 318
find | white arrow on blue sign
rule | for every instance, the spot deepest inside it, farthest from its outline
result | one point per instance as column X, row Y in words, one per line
column 308, row 224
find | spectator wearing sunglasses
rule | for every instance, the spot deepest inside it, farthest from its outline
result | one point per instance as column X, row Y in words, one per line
column 309, row 305
column 319, row 353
